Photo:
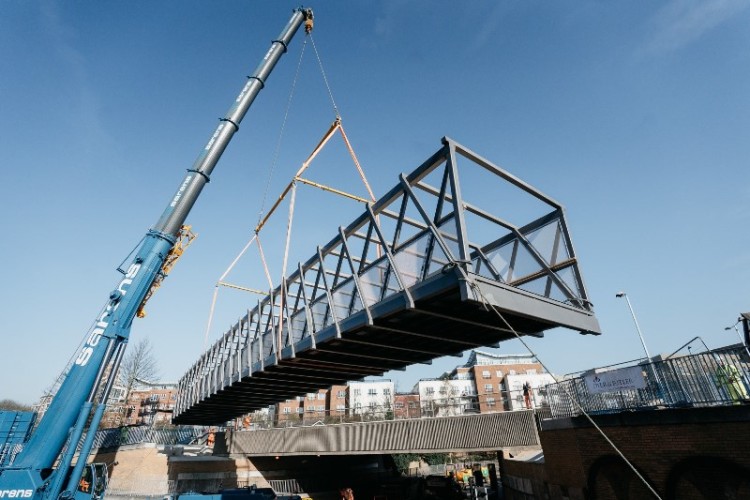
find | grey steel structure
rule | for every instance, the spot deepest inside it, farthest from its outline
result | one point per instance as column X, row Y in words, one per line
column 466, row 433
column 422, row 273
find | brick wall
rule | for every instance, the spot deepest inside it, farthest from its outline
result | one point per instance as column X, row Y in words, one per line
column 682, row 453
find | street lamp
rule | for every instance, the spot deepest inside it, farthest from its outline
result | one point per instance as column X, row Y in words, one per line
column 742, row 341
column 635, row 320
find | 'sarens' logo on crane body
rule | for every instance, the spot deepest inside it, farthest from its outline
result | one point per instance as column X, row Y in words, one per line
column 16, row 493
column 102, row 324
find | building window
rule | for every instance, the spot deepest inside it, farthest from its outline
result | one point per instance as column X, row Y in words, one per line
column 300, row 410
column 321, row 395
column 499, row 374
column 311, row 397
column 341, row 394
column 287, row 410
column 387, row 391
column 488, row 388
column 443, row 391
column 399, row 405
column 340, row 408
column 511, row 372
column 320, row 408
column 429, row 391
column 357, row 392
column 372, row 392
column 490, row 401
column 531, row 371
column 485, row 374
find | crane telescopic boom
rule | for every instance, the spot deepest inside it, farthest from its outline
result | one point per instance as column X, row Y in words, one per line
column 43, row 468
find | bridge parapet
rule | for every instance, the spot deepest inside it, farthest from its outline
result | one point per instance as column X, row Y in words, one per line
column 422, row 273
column 485, row 432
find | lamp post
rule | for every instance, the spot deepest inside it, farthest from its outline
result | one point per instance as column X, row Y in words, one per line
column 658, row 393
column 742, row 341
column 620, row 295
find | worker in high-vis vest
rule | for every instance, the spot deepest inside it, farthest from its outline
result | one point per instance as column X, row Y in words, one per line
column 729, row 377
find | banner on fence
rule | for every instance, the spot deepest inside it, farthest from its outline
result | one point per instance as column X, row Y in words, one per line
column 621, row 379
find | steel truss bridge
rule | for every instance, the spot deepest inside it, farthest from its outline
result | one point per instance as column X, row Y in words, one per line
column 430, row 269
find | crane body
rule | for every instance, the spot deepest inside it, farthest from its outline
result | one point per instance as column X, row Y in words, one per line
column 44, row 470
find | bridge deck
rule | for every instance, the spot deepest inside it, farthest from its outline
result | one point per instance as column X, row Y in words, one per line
column 414, row 278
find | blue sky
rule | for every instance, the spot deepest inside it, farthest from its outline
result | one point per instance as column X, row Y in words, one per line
column 634, row 115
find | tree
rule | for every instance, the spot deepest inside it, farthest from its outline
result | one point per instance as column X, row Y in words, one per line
column 138, row 366
column 9, row 404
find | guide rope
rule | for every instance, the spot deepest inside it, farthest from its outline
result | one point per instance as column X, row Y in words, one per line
column 477, row 289
column 276, row 153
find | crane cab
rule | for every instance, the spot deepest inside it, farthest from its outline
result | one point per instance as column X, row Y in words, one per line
column 93, row 482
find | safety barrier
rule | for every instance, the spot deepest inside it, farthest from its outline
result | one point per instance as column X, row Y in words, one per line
column 713, row 378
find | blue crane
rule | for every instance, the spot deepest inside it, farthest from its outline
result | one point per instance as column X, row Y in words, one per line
column 44, row 470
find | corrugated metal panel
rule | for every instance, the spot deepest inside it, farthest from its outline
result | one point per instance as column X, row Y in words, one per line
column 463, row 433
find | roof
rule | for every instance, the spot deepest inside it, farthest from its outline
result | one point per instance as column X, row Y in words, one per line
column 487, row 358
column 531, row 456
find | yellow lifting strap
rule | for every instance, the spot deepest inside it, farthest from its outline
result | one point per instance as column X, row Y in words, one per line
column 336, row 126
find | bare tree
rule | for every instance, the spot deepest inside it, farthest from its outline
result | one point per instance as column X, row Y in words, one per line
column 11, row 405
column 138, row 366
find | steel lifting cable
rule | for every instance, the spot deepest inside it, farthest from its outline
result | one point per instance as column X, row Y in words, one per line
column 488, row 305
column 263, row 218
column 281, row 131
column 325, row 79
column 338, row 120
column 271, row 171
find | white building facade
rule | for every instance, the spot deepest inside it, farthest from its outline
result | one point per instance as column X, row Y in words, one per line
column 537, row 393
column 440, row 398
column 371, row 398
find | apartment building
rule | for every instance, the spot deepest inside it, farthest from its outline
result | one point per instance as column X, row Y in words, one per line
column 445, row 397
column 537, row 395
column 291, row 410
column 489, row 372
column 406, row 405
column 145, row 405
column 313, row 406
column 337, row 400
column 374, row 398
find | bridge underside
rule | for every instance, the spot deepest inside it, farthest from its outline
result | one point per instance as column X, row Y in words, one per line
column 356, row 312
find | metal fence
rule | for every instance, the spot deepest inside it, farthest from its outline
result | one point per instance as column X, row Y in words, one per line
column 712, row 378
column 111, row 438
column 502, row 400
